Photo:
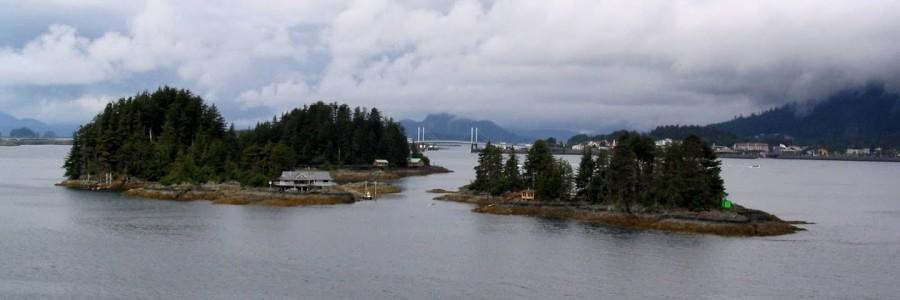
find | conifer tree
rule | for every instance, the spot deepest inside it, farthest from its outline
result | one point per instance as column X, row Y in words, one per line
column 586, row 171
column 511, row 172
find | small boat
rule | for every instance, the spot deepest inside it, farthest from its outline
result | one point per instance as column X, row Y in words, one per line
column 754, row 166
column 370, row 196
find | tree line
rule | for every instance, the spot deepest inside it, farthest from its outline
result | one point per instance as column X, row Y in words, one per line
column 172, row 136
column 635, row 173
column 28, row 133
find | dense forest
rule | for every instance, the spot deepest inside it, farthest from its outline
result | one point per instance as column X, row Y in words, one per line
column 172, row 136
column 862, row 117
column 23, row 132
column 635, row 173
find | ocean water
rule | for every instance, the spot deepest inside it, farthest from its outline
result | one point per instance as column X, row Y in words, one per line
column 66, row 244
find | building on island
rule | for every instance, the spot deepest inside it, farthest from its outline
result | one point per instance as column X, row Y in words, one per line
column 304, row 181
column 415, row 162
column 381, row 163
column 528, row 195
column 751, row 147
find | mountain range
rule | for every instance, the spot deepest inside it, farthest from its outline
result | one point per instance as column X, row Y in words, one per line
column 8, row 123
column 861, row 117
column 858, row 117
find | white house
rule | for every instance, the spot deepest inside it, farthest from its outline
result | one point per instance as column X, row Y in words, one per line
column 304, row 181
column 858, row 152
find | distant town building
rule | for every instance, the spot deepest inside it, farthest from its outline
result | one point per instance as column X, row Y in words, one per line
column 664, row 142
column 751, row 147
column 817, row 152
column 601, row 144
column 722, row 149
column 381, row 163
column 304, row 181
column 858, row 151
column 781, row 149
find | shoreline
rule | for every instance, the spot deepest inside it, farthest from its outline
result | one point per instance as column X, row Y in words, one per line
column 740, row 221
column 4, row 142
column 232, row 193
column 223, row 193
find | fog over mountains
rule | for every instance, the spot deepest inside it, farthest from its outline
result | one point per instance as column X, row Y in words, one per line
column 9, row 122
column 860, row 117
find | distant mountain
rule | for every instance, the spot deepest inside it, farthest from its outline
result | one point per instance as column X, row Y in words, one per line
column 450, row 127
column 861, row 117
column 8, row 123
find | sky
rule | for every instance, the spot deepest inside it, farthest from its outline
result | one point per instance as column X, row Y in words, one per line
column 565, row 64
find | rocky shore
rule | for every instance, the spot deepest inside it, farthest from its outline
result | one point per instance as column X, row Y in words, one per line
column 37, row 141
column 739, row 221
column 346, row 175
column 231, row 193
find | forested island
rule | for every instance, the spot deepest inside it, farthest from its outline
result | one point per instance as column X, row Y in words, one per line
column 636, row 184
column 170, row 137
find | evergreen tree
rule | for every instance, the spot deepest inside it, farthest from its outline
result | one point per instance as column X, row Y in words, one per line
column 624, row 175
column 489, row 171
column 586, row 171
column 539, row 160
column 598, row 188
column 511, row 172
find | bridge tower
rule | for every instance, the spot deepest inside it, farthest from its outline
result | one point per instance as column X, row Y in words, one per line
column 473, row 138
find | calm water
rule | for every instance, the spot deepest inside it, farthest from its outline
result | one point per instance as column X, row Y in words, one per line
column 58, row 243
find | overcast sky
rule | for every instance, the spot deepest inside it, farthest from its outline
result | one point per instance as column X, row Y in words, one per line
column 564, row 64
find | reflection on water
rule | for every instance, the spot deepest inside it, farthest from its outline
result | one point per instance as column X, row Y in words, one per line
column 75, row 244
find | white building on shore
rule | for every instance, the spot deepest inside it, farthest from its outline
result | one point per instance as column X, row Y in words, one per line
column 304, row 181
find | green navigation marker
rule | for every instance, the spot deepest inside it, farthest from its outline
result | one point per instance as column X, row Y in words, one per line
column 726, row 204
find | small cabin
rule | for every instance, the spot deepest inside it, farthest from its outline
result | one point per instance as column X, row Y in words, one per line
column 528, row 195
column 304, row 181
column 381, row 163
column 415, row 162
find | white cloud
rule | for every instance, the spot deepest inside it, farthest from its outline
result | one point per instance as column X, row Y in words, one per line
column 71, row 111
column 587, row 62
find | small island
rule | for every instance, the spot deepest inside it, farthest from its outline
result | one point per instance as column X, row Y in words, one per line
column 635, row 184
column 170, row 145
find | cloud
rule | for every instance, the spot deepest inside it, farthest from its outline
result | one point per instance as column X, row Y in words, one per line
column 566, row 63
column 71, row 111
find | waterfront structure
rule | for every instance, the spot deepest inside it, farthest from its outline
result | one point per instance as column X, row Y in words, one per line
column 722, row 149
column 858, row 152
column 781, row 149
column 304, row 181
column 751, row 147
column 818, row 152
column 415, row 162
column 381, row 163
column 528, row 195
